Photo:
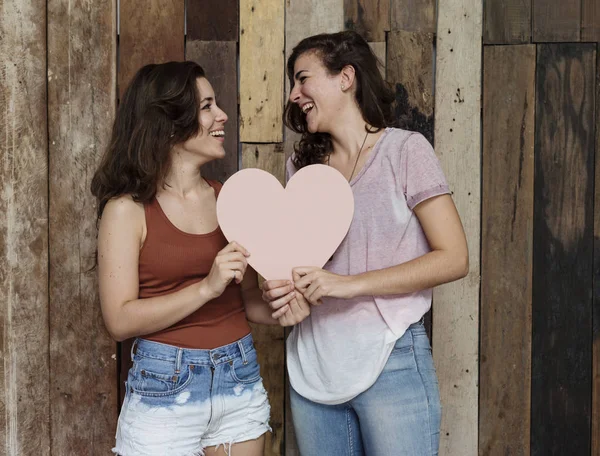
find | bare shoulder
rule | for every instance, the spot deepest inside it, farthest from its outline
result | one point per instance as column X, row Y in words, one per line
column 124, row 213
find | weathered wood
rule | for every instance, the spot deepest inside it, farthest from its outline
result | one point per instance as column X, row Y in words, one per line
column 141, row 32
column 152, row 34
column 410, row 71
column 379, row 49
column 81, row 104
column 563, row 231
column 507, row 256
column 219, row 60
column 556, row 20
column 261, row 84
column 24, row 382
column 212, row 20
column 596, row 285
column 269, row 340
column 590, row 20
column 413, row 15
column 457, row 143
column 370, row 18
column 507, row 22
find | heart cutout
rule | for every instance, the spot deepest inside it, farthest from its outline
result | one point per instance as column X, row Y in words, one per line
column 301, row 225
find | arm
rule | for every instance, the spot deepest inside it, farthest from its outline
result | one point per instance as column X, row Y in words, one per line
column 119, row 240
column 447, row 261
column 257, row 311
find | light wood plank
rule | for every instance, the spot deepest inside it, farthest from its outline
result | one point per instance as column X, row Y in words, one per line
column 81, row 104
column 24, row 382
column 457, row 143
column 379, row 49
column 261, row 70
column 507, row 255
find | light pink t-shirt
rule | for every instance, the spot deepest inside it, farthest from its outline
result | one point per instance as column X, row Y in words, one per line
column 341, row 348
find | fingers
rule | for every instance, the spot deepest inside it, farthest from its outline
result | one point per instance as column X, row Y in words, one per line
column 235, row 247
column 281, row 311
column 276, row 293
column 271, row 284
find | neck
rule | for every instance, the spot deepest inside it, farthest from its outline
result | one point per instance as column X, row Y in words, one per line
column 349, row 134
column 184, row 176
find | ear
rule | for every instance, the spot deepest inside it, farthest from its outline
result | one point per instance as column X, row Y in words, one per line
column 347, row 76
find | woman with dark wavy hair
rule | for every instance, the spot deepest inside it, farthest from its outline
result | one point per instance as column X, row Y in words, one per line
column 169, row 278
column 360, row 364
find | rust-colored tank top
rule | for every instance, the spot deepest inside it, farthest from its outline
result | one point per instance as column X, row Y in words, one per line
column 170, row 260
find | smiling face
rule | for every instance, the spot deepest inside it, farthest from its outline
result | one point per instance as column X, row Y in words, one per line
column 317, row 93
column 209, row 140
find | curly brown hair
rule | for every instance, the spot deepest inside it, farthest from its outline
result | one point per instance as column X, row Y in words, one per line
column 374, row 96
column 158, row 110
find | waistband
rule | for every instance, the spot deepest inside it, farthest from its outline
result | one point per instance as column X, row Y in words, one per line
column 212, row 357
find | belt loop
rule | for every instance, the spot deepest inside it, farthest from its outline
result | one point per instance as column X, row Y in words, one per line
column 133, row 345
column 241, row 347
column 178, row 361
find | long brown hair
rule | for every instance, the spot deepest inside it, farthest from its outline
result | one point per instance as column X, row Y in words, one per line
column 374, row 96
column 158, row 110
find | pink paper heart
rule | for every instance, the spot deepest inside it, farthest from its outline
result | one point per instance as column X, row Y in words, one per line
column 301, row 225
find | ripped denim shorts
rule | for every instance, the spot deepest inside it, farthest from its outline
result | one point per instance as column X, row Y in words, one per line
column 180, row 401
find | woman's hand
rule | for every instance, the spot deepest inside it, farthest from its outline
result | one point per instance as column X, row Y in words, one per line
column 229, row 264
column 289, row 306
column 315, row 283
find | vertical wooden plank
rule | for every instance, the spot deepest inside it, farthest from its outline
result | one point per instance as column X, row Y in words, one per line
column 204, row 25
column 590, row 20
column 410, row 71
column 269, row 340
column 159, row 21
column 152, row 34
column 261, row 86
column 596, row 284
column 507, row 22
column 507, row 243
column 219, row 60
column 556, row 20
column 24, row 382
column 457, row 143
column 81, row 105
column 370, row 18
column 413, row 15
column 379, row 49
column 563, row 245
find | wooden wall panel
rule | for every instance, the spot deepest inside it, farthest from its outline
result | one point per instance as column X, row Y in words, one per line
column 596, row 284
column 152, row 34
column 590, row 20
column 556, row 20
column 219, row 60
column 212, row 20
column 370, row 18
column 563, row 245
column 141, row 29
column 81, row 105
column 457, row 143
column 507, row 255
column 380, row 49
column 261, row 84
column 507, row 22
column 24, row 382
column 413, row 15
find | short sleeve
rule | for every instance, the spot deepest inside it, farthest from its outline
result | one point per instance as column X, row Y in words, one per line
column 423, row 175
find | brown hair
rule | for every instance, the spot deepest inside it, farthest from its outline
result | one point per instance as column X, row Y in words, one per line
column 158, row 110
column 373, row 94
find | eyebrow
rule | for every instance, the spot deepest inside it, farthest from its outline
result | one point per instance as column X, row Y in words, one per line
column 298, row 74
column 207, row 99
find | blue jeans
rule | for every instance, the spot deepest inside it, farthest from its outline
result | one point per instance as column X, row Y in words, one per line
column 398, row 416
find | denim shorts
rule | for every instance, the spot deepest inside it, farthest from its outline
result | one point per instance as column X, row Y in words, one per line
column 180, row 401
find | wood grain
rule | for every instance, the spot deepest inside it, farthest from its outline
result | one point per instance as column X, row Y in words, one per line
column 370, row 18
column 24, row 381
column 457, row 143
column 219, row 60
column 563, row 247
column 413, row 15
column 556, row 20
column 205, row 24
column 590, row 20
column 507, row 22
column 506, row 252
column 596, row 285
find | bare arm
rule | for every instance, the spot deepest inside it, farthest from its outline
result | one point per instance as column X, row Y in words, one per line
column 125, row 315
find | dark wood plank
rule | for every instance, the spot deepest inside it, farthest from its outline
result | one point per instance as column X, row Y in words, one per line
column 370, row 18
column 81, row 104
column 212, row 20
column 506, row 250
column 219, row 60
column 152, row 34
column 590, row 20
column 413, row 15
column 596, row 280
column 24, row 381
column 556, row 20
column 561, row 384
column 507, row 22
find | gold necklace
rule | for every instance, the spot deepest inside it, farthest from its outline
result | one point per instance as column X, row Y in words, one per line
column 357, row 157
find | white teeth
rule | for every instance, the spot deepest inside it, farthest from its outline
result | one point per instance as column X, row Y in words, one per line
column 307, row 107
column 217, row 133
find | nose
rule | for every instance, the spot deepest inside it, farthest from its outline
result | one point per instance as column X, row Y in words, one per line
column 295, row 94
column 221, row 116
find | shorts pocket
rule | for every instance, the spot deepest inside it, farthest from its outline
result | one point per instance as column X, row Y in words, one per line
column 248, row 372
column 156, row 377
